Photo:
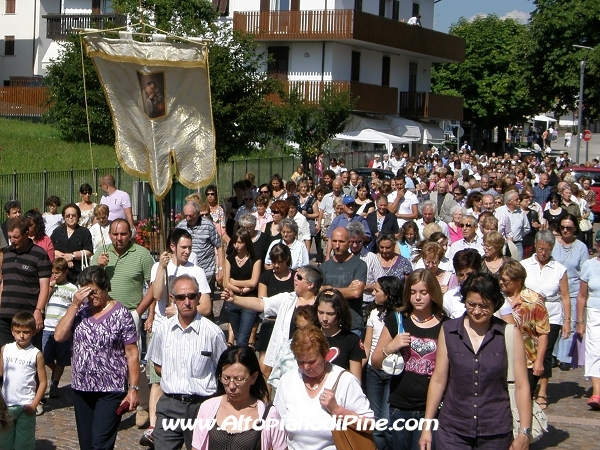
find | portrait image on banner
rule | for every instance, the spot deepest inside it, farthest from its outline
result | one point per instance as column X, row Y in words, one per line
column 152, row 86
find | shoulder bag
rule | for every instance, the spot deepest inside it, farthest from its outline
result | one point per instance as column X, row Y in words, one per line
column 351, row 439
column 264, row 417
column 394, row 363
column 539, row 422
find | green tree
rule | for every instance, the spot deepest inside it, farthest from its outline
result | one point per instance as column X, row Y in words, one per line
column 555, row 64
column 67, row 97
column 491, row 79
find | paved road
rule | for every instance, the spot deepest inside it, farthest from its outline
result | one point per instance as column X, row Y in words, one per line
column 572, row 424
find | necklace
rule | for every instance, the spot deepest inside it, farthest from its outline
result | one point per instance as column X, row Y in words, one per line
column 108, row 303
column 314, row 387
column 416, row 319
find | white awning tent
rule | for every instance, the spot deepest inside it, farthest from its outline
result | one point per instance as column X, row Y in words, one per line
column 541, row 118
column 431, row 133
column 404, row 128
column 358, row 123
column 372, row 136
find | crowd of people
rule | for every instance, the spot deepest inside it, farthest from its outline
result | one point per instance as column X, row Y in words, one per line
column 427, row 267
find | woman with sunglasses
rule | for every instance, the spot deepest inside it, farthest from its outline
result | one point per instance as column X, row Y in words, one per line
column 241, row 274
column 216, row 211
column 555, row 212
column 72, row 242
column 242, row 394
column 86, row 206
column 474, row 203
column 307, row 282
column 279, row 211
column 571, row 253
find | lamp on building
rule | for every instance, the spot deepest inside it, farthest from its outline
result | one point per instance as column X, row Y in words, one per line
column 306, row 55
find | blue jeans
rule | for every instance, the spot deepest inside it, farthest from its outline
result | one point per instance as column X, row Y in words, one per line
column 404, row 439
column 378, row 393
column 241, row 321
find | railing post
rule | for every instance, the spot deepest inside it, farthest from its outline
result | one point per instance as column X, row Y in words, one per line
column 96, row 184
column 14, row 186
column 72, row 182
column 44, row 187
column 118, row 177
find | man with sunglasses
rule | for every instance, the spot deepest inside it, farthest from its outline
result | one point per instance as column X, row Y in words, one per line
column 175, row 263
column 185, row 351
column 468, row 224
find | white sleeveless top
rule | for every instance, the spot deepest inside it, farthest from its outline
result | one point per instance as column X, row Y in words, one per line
column 19, row 374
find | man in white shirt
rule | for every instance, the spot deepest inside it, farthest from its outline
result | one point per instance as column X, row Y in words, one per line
column 175, row 263
column 519, row 224
column 403, row 203
column 326, row 206
column 427, row 209
column 185, row 351
column 504, row 225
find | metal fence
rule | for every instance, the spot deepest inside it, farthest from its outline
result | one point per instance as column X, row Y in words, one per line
column 32, row 189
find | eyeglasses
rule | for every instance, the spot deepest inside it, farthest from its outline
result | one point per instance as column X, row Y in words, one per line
column 205, row 214
column 482, row 307
column 70, row 216
column 567, row 228
column 505, row 280
column 190, row 296
column 249, row 199
column 264, row 192
column 211, row 193
column 543, row 250
column 238, row 381
column 466, row 225
column 94, row 291
column 275, row 211
column 299, row 277
column 355, row 242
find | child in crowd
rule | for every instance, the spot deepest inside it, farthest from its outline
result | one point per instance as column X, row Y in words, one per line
column 20, row 362
column 57, row 354
column 99, row 231
column 52, row 218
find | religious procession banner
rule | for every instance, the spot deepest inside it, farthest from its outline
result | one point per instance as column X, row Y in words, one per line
column 159, row 97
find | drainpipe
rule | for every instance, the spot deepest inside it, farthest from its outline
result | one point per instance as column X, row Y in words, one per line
column 323, row 62
column 34, row 21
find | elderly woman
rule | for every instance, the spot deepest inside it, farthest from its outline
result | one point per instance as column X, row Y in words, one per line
column 571, row 253
column 588, row 321
column 73, row 242
column 260, row 241
column 568, row 203
column 316, row 391
column 548, row 277
column 307, row 282
column 241, row 394
column 392, row 263
column 475, row 343
column 261, row 214
column 493, row 259
column 37, row 232
column 105, row 359
column 288, row 229
column 454, row 229
column 412, row 331
column 530, row 315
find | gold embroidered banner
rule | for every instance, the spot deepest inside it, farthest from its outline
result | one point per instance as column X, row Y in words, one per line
column 159, row 97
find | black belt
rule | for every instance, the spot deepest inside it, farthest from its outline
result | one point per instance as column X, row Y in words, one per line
column 187, row 398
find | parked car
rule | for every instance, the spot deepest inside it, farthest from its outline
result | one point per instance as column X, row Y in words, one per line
column 594, row 174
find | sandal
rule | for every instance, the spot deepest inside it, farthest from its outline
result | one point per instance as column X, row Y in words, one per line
column 594, row 402
column 543, row 404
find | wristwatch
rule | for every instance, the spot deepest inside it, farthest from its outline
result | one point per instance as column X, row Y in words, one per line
column 525, row 431
column 137, row 388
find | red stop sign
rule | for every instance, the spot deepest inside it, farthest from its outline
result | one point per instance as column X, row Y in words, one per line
column 587, row 135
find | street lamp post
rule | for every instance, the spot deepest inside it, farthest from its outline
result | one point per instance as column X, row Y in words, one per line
column 580, row 115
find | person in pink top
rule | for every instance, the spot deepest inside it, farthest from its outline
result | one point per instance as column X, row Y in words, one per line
column 37, row 232
column 241, row 393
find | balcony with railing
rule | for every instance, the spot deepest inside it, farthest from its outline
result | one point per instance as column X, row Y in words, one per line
column 59, row 26
column 427, row 105
column 349, row 25
column 369, row 97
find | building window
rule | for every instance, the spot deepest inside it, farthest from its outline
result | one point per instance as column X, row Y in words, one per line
column 355, row 71
column 415, row 11
column 396, row 10
column 9, row 45
column 382, row 8
column 358, row 5
column 282, row 5
column 10, row 6
column 385, row 71
column 278, row 62
column 412, row 76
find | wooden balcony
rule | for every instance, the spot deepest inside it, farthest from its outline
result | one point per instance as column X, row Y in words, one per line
column 59, row 26
column 426, row 105
column 369, row 97
column 349, row 25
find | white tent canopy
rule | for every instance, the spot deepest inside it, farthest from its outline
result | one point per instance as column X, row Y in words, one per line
column 404, row 128
column 372, row 136
column 358, row 123
column 431, row 133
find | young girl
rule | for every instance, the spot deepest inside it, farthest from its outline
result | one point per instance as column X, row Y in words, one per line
column 388, row 298
column 334, row 318
column 52, row 218
column 242, row 271
column 421, row 316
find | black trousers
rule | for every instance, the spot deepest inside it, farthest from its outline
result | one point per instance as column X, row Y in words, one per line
column 553, row 336
column 96, row 418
